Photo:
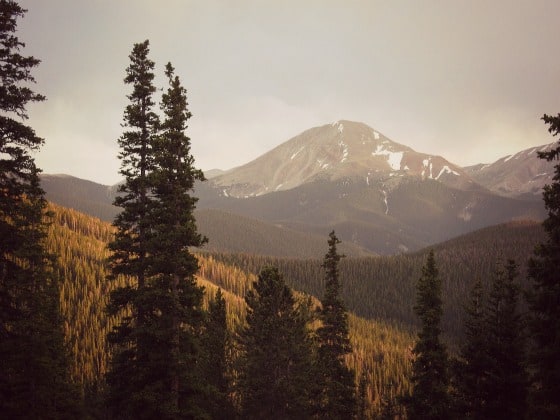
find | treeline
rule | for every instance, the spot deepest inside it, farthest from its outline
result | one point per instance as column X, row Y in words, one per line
column 383, row 288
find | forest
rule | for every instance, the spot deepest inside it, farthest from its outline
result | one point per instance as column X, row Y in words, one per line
column 136, row 320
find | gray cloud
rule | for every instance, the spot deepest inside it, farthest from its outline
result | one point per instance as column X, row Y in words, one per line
column 465, row 79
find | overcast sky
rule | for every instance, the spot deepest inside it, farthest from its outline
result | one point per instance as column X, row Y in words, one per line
column 465, row 79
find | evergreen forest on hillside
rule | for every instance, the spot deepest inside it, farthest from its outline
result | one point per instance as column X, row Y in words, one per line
column 136, row 320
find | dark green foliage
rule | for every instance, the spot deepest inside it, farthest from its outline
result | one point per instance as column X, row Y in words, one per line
column 469, row 381
column 338, row 391
column 214, row 358
column 544, row 298
column 430, row 394
column 275, row 378
column 384, row 287
column 506, row 379
column 133, row 380
column 34, row 376
column 172, row 231
column 156, row 346
column 491, row 380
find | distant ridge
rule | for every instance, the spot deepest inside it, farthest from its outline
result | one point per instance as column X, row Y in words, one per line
column 378, row 195
column 522, row 174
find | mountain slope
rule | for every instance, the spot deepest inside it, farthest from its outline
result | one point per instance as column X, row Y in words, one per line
column 80, row 242
column 79, row 194
column 520, row 175
column 385, row 287
column 344, row 149
column 229, row 232
column 375, row 193
column 398, row 215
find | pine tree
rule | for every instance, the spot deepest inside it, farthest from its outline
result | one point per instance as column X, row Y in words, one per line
column 505, row 377
column 34, row 375
column 129, row 378
column 470, row 381
column 157, row 346
column 544, row 298
column 276, row 365
column 173, row 231
column 338, row 390
column 215, row 365
column 491, row 378
column 430, row 395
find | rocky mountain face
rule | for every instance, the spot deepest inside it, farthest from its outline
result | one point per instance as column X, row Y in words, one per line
column 341, row 150
column 520, row 175
column 380, row 196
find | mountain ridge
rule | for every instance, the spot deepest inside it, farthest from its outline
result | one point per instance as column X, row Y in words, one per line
column 343, row 149
column 522, row 174
column 345, row 176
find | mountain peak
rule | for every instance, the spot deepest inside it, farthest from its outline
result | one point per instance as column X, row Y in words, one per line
column 342, row 149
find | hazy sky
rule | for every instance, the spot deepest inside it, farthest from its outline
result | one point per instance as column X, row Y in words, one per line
column 465, row 79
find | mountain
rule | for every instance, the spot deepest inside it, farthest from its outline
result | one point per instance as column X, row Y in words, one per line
column 520, row 175
column 79, row 194
column 377, row 194
column 228, row 232
column 340, row 150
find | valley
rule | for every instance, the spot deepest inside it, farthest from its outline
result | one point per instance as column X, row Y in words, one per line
column 390, row 206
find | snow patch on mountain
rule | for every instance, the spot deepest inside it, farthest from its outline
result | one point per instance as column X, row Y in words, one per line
column 339, row 126
column 297, row 153
column 446, row 169
column 344, row 147
column 394, row 159
column 323, row 164
column 427, row 165
column 385, row 201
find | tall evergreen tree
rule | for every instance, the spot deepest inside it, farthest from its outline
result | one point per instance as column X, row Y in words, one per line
column 544, row 298
column 469, row 376
column 34, row 376
column 156, row 347
column 338, row 398
column 505, row 377
column 430, row 395
column 277, row 356
column 129, row 378
column 491, row 378
column 176, row 296
column 215, row 367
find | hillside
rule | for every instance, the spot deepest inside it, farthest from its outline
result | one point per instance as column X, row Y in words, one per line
column 400, row 215
column 380, row 348
column 237, row 234
column 79, row 194
column 384, row 287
